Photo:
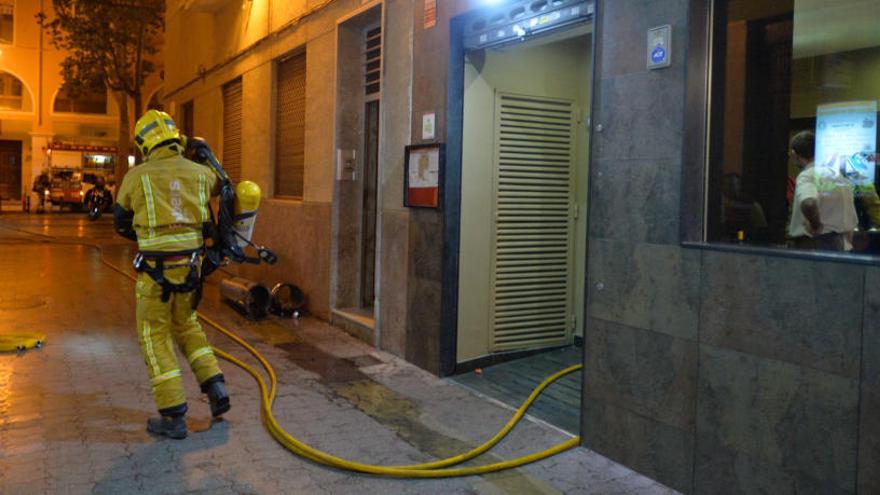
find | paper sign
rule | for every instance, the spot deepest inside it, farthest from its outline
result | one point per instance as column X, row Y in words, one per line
column 424, row 170
column 428, row 123
column 423, row 164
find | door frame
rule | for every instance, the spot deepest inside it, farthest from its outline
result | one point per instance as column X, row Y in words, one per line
column 16, row 146
column 449, row 364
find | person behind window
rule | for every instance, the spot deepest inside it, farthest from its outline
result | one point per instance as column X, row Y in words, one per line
column 823, row 214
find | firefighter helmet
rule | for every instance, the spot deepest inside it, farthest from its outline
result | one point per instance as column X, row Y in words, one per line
column 153, row 129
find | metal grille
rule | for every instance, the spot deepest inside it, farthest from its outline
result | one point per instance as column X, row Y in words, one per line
column 532, row 236
column 373, row 61
column 290, row 129
column 232, row 96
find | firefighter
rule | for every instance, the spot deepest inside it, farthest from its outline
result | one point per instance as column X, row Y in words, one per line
column 163, row 204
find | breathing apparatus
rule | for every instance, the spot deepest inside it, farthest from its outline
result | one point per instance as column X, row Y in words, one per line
column 233, row 229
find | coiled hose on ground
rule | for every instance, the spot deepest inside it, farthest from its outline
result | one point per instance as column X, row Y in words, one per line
column 437, row 469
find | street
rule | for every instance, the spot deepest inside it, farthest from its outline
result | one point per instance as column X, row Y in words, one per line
column 72, row 414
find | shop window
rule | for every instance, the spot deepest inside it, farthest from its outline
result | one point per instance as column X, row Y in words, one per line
column 11, row 92
column 290, row 117
column 93, row 100
column 7, row 16
column 793, row 125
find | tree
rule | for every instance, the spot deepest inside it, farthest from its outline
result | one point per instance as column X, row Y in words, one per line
column 109, row 43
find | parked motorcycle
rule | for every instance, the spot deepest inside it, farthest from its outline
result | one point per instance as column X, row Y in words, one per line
column 97, row 200
column 42, row 185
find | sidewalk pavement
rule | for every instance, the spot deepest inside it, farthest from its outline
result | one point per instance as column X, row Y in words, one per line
column 72, row 414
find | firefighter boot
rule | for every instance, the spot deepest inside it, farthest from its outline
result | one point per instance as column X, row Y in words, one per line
column 215, row 387
column 168, row 426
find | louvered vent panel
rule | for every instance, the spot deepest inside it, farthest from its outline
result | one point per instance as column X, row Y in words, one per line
column 232, row 98
column 373, row 61
column 532, row 237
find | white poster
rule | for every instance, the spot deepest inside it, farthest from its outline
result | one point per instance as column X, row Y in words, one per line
column 424, row 168
column 846, row 139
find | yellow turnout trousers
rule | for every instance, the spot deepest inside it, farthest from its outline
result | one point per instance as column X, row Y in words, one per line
column 159, row 323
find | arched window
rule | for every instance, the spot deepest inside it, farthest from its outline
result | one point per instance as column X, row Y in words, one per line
column 13, row 94
column 155, row 102
column 92, row 101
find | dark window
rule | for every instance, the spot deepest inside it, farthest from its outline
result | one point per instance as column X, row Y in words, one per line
column 92, row 101
column 11, row 92
column 7, row 26
column 187, row 115
column 290, row 128
column 793, row 125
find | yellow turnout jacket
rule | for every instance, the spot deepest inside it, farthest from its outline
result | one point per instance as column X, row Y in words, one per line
column 169, row 196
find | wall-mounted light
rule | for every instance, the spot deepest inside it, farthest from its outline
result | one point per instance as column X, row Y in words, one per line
column 130, row 161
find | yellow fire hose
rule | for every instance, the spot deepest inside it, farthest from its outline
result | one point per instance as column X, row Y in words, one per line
column 436, row 469
column 433, row 469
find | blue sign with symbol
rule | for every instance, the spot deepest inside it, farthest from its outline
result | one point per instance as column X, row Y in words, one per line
column 659, row 48
column 658, row 55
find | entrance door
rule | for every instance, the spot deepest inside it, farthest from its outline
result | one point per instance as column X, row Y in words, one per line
column 10, row 170
column 532, row 239
column 371, row 172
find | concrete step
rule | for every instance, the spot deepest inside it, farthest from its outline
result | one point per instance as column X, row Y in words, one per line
column 357, row 322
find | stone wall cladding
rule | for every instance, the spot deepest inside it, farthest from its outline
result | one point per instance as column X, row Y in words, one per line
column 712, row 372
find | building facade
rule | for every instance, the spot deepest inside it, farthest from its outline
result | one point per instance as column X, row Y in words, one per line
column 589, row 188
column 40, row 125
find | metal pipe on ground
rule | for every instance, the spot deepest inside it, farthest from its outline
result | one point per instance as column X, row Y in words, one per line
column 249, row 297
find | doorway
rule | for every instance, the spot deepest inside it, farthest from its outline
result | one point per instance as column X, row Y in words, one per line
column 522, row 247
column 368, row 213
column 356, row 198
column 10, row 170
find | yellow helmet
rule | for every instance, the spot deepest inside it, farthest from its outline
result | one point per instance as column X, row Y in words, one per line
column 155, row 128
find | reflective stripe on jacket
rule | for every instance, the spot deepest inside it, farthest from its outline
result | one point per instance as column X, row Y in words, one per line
column 170, row 198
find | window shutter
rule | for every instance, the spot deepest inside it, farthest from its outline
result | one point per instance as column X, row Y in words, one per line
column 232, row 95
column 532, row 243
column 290, row 126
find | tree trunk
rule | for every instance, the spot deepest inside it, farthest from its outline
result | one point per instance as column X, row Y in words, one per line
column 124, row 143
column 138, row 113
column 138, row 104
column 138, row 84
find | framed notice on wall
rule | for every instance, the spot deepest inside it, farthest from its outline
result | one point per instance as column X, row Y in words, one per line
column 423, row 175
